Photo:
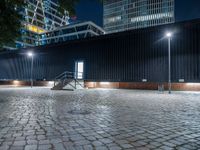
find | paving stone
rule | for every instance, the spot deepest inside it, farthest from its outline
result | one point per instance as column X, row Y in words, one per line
column 41, row 137
column 55, row 141
column 87, row 147
column 44, row 147
column 7, row 143
column 19, row 143
column 82, row 142
column 142, row 148
column 101, row 148
column 32, row 142
column 115, row 148
column 44, row 142
column 106, row 141
column 17, row 134
column 31, row 137
column 58, row 146
column 91, row 138
column 16, row 148
column 20, row 138
column 4, row 147
column 166, row 148
column 97, row 143
column 31, row 147
column 124, row 146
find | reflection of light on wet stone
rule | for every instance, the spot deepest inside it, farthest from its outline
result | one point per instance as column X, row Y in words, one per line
column 103, row 109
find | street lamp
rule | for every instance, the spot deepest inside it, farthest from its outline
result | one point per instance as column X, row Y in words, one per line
column 30, row 54
column 169, row 35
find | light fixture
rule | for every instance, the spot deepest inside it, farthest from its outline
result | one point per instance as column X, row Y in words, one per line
column 193, row 84
column 104, row 83
column 51, row 83
column 30, row 54
column 169, row 34
column 144, row 80
column 16, row 82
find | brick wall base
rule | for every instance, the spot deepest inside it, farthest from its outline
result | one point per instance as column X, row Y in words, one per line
column 144, row 86
column 26, row 83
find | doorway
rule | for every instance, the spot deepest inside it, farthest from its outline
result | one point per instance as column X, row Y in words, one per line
column 79, row 69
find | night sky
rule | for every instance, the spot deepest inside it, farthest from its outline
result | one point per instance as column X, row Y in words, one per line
column 92, row 10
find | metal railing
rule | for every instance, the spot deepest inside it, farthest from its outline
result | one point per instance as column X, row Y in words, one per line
column 67, row 77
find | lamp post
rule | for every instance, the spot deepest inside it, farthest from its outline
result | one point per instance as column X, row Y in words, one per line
column 169, row 35
column 30, row 54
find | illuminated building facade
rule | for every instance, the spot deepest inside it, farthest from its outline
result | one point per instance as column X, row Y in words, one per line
column 43, row 24
column 39, row 16
column 120, row 15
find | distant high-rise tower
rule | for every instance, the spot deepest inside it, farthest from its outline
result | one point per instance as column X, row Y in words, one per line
column 121, row 15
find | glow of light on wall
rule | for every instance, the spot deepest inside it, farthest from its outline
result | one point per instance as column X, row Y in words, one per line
column 144, row 80
column 104, row 83
column 92, row 82
column 16, row 82
column 50, row 83
column 193, row 84
column 35, row 29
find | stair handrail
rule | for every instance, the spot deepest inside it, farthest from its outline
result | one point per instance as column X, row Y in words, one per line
column 63, row 74
column 68, row 75
column 60, row 76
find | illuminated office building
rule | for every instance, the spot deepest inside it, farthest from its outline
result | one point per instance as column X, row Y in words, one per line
column 120, row 15
column 44, row 24
column 39, row 16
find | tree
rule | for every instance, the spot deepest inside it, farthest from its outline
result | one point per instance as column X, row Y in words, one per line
column 10, row 20
column 68, row 5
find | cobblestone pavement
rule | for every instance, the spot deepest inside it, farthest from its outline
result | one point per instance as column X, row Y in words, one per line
column 41, row 119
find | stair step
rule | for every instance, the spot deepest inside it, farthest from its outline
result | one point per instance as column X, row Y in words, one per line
column 68, row 85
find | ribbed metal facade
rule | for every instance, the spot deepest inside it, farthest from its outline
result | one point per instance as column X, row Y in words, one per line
column 127, row 56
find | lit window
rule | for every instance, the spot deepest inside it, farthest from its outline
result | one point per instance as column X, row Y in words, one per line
column 114, row 19
column 35, row 29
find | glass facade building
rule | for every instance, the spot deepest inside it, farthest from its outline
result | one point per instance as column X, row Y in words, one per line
column 120, row 15
column 43, row 24
column 39, row 16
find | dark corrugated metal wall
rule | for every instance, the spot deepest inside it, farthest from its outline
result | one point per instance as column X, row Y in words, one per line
column 128, row 56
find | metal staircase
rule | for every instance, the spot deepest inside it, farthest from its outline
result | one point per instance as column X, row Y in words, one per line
column 67, row 80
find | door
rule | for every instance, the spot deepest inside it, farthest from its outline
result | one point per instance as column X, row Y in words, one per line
column 79, row 69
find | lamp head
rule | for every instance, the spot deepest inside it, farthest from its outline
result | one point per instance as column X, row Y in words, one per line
column 30, row 54
column 169, row 34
